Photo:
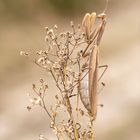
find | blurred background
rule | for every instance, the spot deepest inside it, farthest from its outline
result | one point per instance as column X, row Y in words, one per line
column 22, row 28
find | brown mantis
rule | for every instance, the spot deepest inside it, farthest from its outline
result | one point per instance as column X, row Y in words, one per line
column 89, row 84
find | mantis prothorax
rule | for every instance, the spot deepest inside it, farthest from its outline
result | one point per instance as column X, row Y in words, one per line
column 89, row 84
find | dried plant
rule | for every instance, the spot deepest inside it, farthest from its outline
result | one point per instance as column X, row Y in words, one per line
column 72, row 60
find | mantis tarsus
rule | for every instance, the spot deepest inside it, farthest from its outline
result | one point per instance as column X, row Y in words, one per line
column 89, row 85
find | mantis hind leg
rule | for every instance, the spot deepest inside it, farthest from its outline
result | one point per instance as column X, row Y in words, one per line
column 105, row 68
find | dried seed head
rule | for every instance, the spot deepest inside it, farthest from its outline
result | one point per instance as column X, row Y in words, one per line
column 54, row 44
column 41, row 60
column 47, row 29
column 42, row 137
column 56, row 96
column 41, row 80
column 56, row 66
column 62, row 35
column 72, row 24
column 23, row 53
column 52, row 124
column 33, row 86
column 35, row 101
column 29, row 108
column 55, row 27
column 48, row 62
column 46, row 86
column 68, row 34
column 103, row 84
column 55, row 131
column 46, row 39
column 50, row 32
column 79, row 26
column 39, row 52
column 81, row 112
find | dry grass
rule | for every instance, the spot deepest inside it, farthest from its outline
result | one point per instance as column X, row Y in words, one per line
column 71, row 58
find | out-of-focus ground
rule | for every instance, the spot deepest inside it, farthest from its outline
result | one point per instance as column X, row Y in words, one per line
column 120, row 49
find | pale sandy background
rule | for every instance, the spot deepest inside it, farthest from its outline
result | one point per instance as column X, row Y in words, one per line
column 22, row 27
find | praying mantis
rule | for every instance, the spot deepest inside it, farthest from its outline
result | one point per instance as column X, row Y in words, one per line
column 89, row 84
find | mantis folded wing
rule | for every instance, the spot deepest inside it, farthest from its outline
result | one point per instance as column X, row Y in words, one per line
column 89, row 84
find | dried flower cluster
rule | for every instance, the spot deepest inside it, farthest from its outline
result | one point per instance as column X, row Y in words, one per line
column 67, row 58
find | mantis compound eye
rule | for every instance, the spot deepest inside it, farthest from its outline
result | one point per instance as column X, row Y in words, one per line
column 101, row 16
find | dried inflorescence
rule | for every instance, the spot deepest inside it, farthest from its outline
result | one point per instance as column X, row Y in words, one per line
column 66, row 57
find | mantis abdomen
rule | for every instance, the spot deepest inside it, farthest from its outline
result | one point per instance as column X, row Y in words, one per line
column 84, row 93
